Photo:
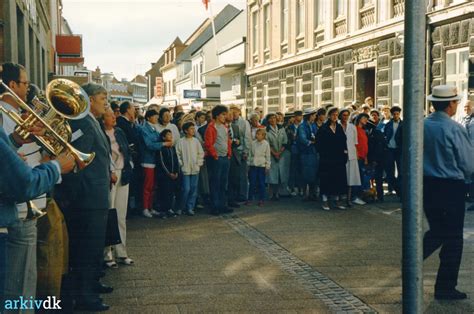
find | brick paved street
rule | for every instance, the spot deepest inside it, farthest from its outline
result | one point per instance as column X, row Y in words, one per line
column 287, row 257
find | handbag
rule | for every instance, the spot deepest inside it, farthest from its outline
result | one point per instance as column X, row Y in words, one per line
column 112, row 234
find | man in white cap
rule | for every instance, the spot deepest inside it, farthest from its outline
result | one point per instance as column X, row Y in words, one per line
column 447, row 163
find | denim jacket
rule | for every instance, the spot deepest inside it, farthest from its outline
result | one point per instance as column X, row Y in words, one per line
column 306, row 132
column 19, row 182
column 150, row 143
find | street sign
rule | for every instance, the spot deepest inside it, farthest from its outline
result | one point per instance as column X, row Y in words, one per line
column 192, row 93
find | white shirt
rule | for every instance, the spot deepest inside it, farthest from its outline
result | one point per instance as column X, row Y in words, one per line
column 32, row 153
column 260, row 154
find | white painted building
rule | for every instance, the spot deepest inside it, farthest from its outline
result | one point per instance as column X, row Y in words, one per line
column 201, row 56
column 170, row 73
column 231, row 72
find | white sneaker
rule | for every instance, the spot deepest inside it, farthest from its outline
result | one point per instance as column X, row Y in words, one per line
column 154, row 212
column 358, row 201
column 147, row 213
column 326, row 206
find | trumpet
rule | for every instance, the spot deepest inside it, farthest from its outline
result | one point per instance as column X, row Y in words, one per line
column 65, row 100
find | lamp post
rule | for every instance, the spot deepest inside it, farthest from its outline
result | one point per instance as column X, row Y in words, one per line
column 412, row 168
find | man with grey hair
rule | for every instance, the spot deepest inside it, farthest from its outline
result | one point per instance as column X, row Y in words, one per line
column 84, row 198
column 245, row 139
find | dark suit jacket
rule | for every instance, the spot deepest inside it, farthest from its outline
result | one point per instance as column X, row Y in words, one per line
column 90, row 187
column 131, row 132
column 388, row 132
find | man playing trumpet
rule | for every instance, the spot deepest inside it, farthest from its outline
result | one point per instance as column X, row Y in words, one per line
column 20, row 183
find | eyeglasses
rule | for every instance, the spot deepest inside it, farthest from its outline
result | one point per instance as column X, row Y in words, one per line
column 27, row 83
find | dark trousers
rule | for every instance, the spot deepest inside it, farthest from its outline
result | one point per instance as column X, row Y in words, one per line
column 167, row 191
column 136, row 187
column 86, row 229
column 234, row 180
column 393, row 157
column 257, row 183
column 218, row 179
column 443, row 201
column 294, row 180
column 378, row 177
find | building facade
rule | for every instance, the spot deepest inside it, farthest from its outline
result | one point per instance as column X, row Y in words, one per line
column 231, row 73
column 170, row 72
column 25, row 37
column 155, row 82
column 195, row 88
column 138, row 87
column 309, row 53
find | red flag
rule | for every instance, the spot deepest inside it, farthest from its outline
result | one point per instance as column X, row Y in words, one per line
column 206, row 3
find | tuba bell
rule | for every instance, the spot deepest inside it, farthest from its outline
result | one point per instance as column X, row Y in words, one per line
column 64, row 100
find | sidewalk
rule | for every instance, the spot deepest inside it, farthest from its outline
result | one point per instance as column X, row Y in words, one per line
column 288, row 256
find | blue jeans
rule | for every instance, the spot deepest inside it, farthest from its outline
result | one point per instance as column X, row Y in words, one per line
column 21, row 261
column 257, row 183
column 364, row 179
column 189, row 191
column 218, row 177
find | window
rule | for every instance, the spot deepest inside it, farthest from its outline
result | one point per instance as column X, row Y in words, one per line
column 339, row 88
column 318, row 13
column 318, row 90
column 201, row 66
column 397, row 82
column 266, row 30
column 300, row 18
column 284, row 20
column 457, row 69
column 255, row 32
column 265, row 99
column 236, row 90
column 254, row 97
column 174, row 86
column 299, row 94
column 283, row 96
column 340, row 8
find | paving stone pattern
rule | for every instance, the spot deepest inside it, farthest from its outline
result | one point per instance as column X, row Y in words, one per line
column 321, row 287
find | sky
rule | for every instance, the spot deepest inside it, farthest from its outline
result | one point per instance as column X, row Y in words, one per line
column 126, row 36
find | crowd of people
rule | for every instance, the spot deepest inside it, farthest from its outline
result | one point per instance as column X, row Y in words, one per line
column 162, row 163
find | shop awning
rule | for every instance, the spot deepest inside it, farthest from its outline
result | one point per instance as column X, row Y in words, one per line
column 225, row 69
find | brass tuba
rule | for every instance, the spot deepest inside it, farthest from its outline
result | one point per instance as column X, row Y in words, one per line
column 64, row 100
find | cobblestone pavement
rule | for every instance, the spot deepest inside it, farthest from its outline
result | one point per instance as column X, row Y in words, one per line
column 286, row 257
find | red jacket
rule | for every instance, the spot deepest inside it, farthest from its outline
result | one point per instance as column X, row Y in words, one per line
column 363, row 144
column 210, row 139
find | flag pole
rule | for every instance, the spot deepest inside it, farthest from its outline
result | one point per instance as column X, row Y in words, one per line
column 213, row 28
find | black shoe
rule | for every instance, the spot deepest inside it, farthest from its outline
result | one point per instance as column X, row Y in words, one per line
column 214, row 213
column 96, row 306
column 450, row 295
column 101, row 288
column 234, row 204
